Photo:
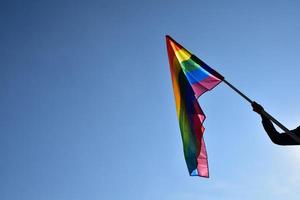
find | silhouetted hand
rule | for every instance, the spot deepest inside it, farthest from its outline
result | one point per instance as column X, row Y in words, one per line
column 257, row 108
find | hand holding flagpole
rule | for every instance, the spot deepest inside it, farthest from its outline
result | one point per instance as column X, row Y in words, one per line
column 263, row 112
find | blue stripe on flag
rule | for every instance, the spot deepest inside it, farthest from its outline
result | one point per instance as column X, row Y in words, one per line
column 196, row 75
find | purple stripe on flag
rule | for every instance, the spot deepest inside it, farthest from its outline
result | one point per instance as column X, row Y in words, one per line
column 204, row 85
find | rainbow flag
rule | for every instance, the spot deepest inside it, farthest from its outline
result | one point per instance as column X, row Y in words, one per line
column 191, row 77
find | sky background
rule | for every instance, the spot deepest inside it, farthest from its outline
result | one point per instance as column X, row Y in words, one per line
column 87, row 108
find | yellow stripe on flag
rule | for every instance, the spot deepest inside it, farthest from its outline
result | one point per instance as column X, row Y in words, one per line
column 182, row 55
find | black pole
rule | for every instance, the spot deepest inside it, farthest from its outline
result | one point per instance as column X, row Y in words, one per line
column 239, row 92
column 263, row 112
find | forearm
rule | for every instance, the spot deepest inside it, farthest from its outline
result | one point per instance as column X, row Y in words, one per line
column 275, row 136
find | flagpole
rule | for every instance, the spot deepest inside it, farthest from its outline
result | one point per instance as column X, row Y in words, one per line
column 263, row 111
column 238, row 91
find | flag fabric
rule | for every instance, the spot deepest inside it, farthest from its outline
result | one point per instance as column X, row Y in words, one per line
column 191, row 77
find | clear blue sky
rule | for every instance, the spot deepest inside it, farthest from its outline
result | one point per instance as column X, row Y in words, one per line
column 87, row 108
